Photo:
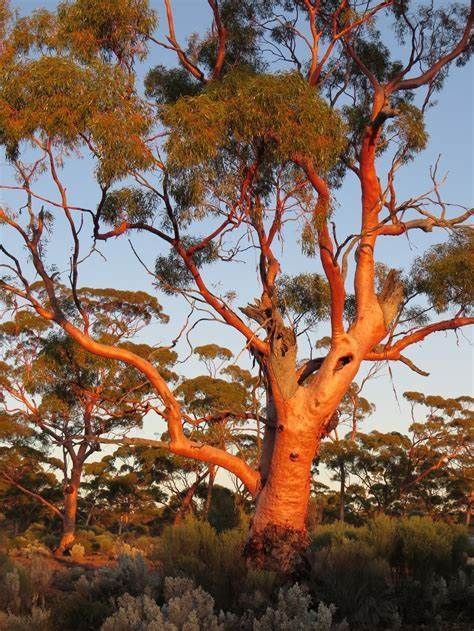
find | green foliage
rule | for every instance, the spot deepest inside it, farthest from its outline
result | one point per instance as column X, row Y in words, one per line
column 426, row 548
column 304, row 297
column 279, row 113
column 337, row 570
column 427, row 471
column 336, row 534
column 212, row 351
column 445, row 273
column 404, row 570
column 202, row 394
column 118, row 27
column 171, row 272
column 87, row 29
column 214, row 561
column 223, row 513
column 94, row 101
column 128, row 204
column 167, row 85
column 410, row 128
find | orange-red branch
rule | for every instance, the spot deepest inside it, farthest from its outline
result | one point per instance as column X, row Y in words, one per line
column 420, row 334
column 227, row 314
column 197, row 451
column 39, row 498
column 326, row 248
column 394, row 352
column 179, row 444
column 398, row 83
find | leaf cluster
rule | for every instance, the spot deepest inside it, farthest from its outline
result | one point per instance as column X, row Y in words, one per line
column 445, row 274
column 304, row 297
column 88, row 29
column 279, row 114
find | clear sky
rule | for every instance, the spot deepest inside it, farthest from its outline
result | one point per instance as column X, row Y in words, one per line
column 450, row 125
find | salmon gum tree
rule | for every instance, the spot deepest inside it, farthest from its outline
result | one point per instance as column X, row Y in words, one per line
column 242, row 146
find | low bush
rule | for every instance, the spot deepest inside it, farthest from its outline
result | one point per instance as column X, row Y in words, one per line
column 104, row 543
column 425, row 547
column 293, row 611
column 356, row 581
column 37, row 620
column 334, row 535
column 214, row 561
column 93, row 598
column 187, row 607
column 78, row 553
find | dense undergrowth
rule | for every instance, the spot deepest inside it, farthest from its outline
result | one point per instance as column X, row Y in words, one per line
column 388, row 574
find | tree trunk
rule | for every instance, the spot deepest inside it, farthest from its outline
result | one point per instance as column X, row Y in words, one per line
column 302, row 412
column 70, row 512
column 187, row 501
column 89, row 516
column 469, row 509
column 342, row 492
column 210, row 487
column 278, row 532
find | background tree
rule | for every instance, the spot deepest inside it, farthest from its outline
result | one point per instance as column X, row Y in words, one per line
column 57, row 400
column 427, row 471
column 238, row 146
column 219, row 409
column 334, row 453
column 442, row 452
column 125, row 489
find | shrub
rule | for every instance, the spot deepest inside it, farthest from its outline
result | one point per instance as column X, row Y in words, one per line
column 40, row 575
column 93, row 598
column 16, row 590
column 193, row 607
column 294, row 612
column 145, row 544
column 38, row 619
column 425, row 547
column 78, row 553
column 140, row 613
column 104, row 543
column 12, row 594
column 214, row 561
column 461, row 595
column 358, row 583
column 186, row 607
column 421, row 602
column 86, row 538
column 334, row 535
column 380, row 533
column 125, row 549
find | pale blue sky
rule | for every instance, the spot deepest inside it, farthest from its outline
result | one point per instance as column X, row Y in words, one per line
column 450, row 125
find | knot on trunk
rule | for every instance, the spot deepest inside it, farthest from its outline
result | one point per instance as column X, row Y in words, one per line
column 277, row 548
